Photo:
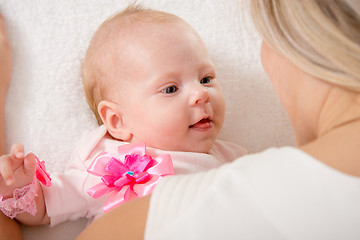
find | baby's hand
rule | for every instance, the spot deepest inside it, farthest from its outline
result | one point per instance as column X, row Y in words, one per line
column 16, row 169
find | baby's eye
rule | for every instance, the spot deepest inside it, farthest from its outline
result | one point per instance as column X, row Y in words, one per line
column 170, row 89
column 206, row 80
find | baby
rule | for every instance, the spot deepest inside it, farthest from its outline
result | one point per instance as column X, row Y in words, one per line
column 148, row 79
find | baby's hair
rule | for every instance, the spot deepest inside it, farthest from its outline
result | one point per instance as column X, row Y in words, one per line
column 95, row 71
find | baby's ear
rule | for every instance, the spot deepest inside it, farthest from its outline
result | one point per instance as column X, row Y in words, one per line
column 113, row 120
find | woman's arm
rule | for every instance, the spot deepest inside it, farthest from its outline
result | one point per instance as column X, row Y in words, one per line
column 9, row 229
column 127, row 221
column 5, row 77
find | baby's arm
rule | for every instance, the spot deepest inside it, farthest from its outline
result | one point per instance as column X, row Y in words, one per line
column 18, row 171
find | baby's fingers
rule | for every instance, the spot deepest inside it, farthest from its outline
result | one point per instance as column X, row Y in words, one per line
column 10, row 162
column 17, row 151
column 30, row 165
column 6, row 170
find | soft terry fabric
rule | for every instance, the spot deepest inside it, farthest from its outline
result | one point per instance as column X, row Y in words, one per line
column 278, row 194
column 67, row 199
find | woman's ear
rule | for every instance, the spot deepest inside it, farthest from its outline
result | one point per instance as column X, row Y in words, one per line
column 113, row 120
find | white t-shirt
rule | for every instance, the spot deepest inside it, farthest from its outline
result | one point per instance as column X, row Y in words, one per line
column 67, row 199
column 281, row 193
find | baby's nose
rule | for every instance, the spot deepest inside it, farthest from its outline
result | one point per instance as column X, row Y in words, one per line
column 200, row 95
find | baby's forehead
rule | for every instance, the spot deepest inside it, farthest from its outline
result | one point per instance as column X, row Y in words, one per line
column 121, row 37
column 118, row 40
column 133, row 30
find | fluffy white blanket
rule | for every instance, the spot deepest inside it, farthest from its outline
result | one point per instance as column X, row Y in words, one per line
column 46, row 109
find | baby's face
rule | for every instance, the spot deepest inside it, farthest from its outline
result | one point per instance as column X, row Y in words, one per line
column 170, row 97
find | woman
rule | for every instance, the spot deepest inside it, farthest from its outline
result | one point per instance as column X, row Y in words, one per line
column 9, row 229
column 311, row 53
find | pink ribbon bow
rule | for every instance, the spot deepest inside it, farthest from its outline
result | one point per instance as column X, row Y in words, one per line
column 133, row 174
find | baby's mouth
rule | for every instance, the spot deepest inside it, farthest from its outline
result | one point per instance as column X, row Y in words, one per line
column 203, row 124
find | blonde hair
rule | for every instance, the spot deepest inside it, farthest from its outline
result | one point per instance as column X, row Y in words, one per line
column 322, row 37
column 101, row 64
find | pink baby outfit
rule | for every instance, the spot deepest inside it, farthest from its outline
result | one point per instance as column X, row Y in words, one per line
column 67, row 199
